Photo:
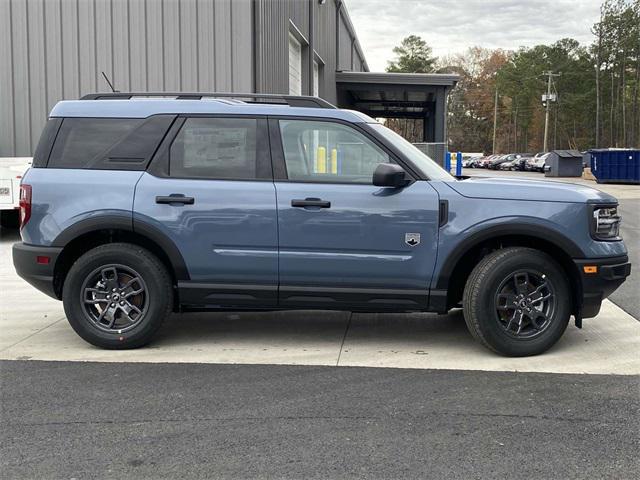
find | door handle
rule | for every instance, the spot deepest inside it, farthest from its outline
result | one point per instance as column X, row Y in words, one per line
column 310, row 202
column 175, row 198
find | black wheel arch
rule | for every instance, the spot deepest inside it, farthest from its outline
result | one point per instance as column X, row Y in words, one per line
column 89, row 233
column 467, row 254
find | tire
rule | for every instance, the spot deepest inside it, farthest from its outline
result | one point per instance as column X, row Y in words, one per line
column 139, row 306
column 495, row 285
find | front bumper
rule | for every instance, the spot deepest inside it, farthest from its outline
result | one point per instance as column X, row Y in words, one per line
column 599, row 281
column 29, row 262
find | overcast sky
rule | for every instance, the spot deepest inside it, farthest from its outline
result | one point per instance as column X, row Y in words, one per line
column 450, row 26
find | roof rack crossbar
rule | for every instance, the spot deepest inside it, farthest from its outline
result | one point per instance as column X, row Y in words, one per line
column 291, row 100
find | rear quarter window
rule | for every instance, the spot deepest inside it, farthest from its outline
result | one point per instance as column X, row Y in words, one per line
column 81, row 140
column 48, row 136
column 108, row 143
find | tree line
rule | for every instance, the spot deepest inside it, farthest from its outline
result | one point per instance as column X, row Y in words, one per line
column 597, row 92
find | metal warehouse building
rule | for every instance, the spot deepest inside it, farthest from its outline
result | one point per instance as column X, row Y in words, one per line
column 52, row 50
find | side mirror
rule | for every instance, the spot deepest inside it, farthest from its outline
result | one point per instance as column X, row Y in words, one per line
column 389, row 175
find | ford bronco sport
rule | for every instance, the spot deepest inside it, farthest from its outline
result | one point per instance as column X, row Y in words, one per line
column 138, row 207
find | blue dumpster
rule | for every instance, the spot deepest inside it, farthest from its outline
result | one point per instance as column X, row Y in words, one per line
column 616, row 166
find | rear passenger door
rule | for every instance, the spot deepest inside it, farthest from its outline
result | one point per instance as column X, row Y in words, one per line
column 210, row 190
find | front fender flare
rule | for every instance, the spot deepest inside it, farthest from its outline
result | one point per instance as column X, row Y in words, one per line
column 537, row 231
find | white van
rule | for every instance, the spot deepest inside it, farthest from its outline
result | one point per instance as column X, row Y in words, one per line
column 12, row 169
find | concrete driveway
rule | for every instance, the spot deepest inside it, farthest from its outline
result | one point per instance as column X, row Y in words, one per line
column 34, row 328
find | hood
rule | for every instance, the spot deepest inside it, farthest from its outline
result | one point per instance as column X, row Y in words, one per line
column 541, row 191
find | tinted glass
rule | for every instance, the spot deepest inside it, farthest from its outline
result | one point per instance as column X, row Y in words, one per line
column 328, row 152
column 224, row 148
column 138, row 147
column 41, row 155
column 83, row 142
column 431, row 169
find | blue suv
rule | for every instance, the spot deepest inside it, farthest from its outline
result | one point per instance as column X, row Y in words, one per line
column 140, row 205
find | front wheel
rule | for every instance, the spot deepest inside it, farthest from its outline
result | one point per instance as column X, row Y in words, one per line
column 517, row 302
column 116, row 296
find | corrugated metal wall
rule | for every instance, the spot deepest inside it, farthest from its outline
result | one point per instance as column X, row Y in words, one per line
column 276, row 18
column 52, row 50
column 346, row 48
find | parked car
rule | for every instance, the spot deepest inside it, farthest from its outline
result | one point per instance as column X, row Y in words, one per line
column 495, row 163
column 517, row 164
column 529, row 164
column 537, row 162
column 470, row 162
column 484, row 162
column 476, row 162
column 520, row 164
column 507, row 165
column 134, row 209
column 11, row 172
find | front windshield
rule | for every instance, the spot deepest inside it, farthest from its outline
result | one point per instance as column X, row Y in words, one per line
column 431, row 169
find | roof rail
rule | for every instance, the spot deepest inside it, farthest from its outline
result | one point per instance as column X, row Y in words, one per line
column 291, row 100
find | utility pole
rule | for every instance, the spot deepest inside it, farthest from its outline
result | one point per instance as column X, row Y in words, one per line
column 598, row 100
column 495, row 122
column 597, row 67
column 611, row 142
column 555, row 127
column 547, row 99
column 515, row 130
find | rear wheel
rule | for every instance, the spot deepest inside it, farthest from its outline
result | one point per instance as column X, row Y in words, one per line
column 516, row 302
column 117, row 296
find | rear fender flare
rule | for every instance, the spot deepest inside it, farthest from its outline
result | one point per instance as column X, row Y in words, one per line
column 127, row 224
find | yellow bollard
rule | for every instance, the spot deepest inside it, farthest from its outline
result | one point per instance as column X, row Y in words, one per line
column 334, row 161
column 321, row 160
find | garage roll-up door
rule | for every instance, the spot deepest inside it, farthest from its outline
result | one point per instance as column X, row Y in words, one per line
column 316, row 78
column 295, row 66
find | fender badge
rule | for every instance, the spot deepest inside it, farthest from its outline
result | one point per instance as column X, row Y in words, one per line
column 412, row 239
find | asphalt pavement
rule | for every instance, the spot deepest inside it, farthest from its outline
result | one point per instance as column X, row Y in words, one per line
column 96, row 420
column 627, row 296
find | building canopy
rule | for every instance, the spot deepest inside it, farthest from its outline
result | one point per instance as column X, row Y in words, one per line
column 392, row 95
column 401, row 95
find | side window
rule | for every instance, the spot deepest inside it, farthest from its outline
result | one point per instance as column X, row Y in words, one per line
column 83, row 142
column 216, row 148
column 316, row 151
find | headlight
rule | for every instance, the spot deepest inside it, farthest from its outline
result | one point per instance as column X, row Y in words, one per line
column 605, row 223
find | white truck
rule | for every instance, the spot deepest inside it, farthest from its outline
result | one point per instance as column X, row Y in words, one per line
column 12, row 170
